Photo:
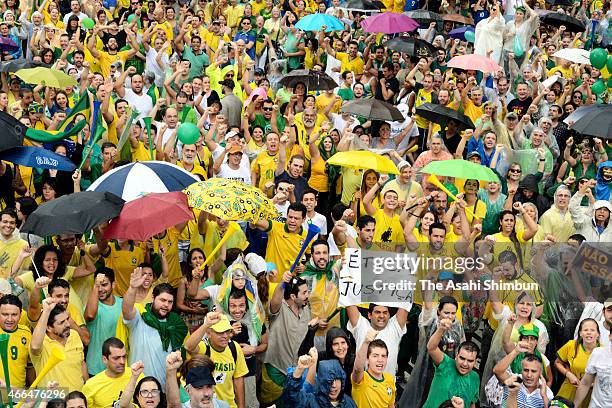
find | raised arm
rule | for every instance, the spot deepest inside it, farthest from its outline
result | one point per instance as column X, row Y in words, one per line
column 361, row 358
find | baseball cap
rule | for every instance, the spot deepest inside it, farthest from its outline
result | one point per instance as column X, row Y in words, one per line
column 259, row 71
column 216, row 22
column 230, row 134
column 511, row 115
column 234, row 149
column 35, row 107
column 222, row 325
column 445, row 275
column 227, row 82
column 608, row 303
column 200, row 376
column 473, row 154
column 529, row 329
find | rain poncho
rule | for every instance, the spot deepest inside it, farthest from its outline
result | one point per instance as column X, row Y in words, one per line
column 329, row 370
column 489, row 36
column 603, row 187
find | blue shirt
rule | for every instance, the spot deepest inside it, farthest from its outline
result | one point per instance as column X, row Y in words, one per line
column 476, row 145
column 101, row 328
column 247, row 38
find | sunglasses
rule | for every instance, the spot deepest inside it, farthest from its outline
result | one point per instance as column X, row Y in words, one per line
column 268, row 109
column 514, row 170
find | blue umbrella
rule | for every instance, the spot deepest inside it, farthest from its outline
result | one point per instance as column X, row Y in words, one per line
column 137, row 179
column 37, row 157
column 314, row 22
column 460, row 32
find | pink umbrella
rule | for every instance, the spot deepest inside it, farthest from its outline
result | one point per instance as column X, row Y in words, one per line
column 389, row 23
column 474, row 62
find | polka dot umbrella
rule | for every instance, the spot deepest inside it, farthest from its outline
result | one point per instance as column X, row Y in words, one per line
column 231, row 200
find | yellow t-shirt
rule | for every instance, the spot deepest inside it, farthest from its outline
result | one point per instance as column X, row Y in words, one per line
column 564, row 72
column 170, row 244
column 325, row 99
column 103, row 62
column 197, row 169
column 388, row 232
column 67, row 373
column 577, row 358
column 17, row 354
column 140, row 153
column 355, row 65
column 371, row 392
column 8, row 254
column 422, row 97
column 226, row 369
column 480, row 211
column 102, row 391
column 283, row 246
column 123, row 263
column 472, row 111
column 265, row 166
column 233, row 14
column 74, row 306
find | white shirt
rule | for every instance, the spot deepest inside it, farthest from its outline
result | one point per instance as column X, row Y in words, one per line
column 143, row 102
column 81, row 16
column 320, row 221
column 391, row 335
column 154, row 67
column 242, row 174
column 333, row 248
column 600, row 364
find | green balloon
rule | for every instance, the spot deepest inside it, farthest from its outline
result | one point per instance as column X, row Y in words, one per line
column 609, row 64
column 188, row 133
column 598, row 58
column 598, row 87
column 469, row 36
column 88, row 23
column 610, row 82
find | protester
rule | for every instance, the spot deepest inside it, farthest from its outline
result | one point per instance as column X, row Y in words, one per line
column 470, row 137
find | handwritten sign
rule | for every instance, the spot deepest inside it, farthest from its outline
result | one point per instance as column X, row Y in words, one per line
column 594, row 260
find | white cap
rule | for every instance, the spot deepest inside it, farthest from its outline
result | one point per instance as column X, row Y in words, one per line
column 230, row 134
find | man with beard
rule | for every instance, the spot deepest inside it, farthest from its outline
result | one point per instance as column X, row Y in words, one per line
column 289, row 315
column 293, row 174
column 305, row 126
column 157, row 331
column 101, row 314
column 53, row 331
column 366, row 225
column 135, row 95
column 389, row 234
column 104, row 59
column 199, row 384
column 105, row 388
column 19, row 339
column 230, row 364
column 452, row 377
column 322, row 277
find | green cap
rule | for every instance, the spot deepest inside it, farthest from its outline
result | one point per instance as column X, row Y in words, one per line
column 529, row 329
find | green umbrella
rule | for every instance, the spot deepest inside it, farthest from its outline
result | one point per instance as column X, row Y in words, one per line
column 460, row 169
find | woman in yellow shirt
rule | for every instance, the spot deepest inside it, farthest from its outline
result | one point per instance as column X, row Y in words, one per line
column 368, row 180
column 572, row 359
column 477, row 206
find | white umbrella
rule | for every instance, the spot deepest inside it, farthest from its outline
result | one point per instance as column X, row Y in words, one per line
column 576, row 55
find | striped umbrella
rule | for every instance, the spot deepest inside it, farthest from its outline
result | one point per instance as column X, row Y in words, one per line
column 137, row 179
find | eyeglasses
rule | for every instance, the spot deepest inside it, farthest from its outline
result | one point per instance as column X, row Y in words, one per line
column 149, row 393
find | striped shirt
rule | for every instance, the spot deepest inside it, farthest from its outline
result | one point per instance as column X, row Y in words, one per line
column 525, row 399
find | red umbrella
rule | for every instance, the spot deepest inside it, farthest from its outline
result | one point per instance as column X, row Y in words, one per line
column 144, row 217
column 475, row 62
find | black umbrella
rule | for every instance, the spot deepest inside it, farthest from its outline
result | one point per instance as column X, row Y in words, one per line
column 17, row 64
column 560, row 2
column 13, row 132
column 414, row 47
column 592, row 120
column 441, row 115
column 365, row 5
column 314, row 80
column 572, row 24
column 373, row 109
column 73, row 213
column 424, row 16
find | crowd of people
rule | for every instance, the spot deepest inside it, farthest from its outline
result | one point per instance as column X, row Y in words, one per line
column 170, row 322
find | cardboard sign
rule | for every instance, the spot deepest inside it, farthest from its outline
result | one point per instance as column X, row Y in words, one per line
column 591, row 258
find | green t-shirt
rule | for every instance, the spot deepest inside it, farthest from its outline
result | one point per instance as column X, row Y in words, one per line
column 265, row 123
column 448, row 383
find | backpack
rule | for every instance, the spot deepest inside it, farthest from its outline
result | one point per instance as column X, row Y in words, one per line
column 232, row 347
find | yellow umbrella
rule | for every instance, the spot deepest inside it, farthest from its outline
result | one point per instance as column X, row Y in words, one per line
column 231, row 200
column 47, row 76
column 363, row 159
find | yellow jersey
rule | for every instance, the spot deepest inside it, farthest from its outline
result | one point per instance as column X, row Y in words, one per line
column 67, row 373
column 388, row 232
column 265, row 166
column 283, row 246
column 170, row 243
column 18, row 351
column 374, row 393
column 123, row 263
column 102, row 391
